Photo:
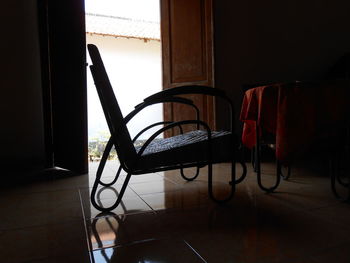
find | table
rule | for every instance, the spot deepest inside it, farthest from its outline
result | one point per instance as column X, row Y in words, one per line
column 298, row 114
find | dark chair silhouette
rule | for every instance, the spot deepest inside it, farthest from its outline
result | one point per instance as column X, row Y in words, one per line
column 196, row 148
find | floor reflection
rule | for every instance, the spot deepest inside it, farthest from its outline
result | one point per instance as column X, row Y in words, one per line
column 162, row 218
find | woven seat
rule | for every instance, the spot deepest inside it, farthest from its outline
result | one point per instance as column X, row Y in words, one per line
column 187, row 148
column 181, row 140
column 196, row 148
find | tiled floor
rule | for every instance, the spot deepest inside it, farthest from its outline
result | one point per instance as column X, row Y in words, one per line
column 165, row 219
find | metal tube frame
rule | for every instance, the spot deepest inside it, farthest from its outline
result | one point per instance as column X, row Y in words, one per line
column 147, row 102
column 257, row 166
column 130, row 172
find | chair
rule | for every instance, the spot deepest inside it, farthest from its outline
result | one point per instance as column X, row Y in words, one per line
column 196, row 148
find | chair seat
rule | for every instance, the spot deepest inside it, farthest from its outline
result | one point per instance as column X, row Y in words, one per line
column 190, row 147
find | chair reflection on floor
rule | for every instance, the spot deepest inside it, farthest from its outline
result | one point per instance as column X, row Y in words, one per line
column 107, row 217
column 197, row 148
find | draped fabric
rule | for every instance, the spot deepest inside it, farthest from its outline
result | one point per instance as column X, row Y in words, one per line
column 298, row 114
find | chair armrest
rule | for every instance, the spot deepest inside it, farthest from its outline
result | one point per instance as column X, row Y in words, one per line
column 163, row 100
column 170, row 95
column 149, row 127
column 150, row 102
column 143, row 105
column 183, row 90
column 194, row 89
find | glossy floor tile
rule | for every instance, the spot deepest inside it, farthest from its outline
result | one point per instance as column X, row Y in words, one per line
column 179, row 199
column 64, row 242
column 164, row 218
column 131, row 203
column 152, row 251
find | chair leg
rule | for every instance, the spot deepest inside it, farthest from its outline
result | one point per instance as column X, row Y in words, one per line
column 102, row 164
column 103, row 161
column 335, row 177
column 189, row 178
column 98, row 181
column 233, row 185
column 99, row 172
column 100, row 191
column 116, row 203
column 115, row 178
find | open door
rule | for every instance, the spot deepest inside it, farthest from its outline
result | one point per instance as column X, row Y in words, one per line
column 63, row 45
column 187, row 50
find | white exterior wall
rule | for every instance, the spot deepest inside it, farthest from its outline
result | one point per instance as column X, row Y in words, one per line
column 134, row 69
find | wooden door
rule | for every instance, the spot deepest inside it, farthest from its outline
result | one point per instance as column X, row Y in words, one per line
column 187, row 50
column 63, row 46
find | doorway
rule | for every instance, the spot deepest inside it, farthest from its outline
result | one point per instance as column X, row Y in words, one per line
column 127, row 33
column 63, row 53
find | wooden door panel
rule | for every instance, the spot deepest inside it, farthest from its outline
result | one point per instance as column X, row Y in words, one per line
column 187, row 49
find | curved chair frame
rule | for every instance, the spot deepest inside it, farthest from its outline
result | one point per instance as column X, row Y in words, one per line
column 120, row 136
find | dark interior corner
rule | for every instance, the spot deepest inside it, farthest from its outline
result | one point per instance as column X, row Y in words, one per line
column 276, row 42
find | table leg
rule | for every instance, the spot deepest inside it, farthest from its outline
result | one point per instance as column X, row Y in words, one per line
column 258, row 165
column 336, row 173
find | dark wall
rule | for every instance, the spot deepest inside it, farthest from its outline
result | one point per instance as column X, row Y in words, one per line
column 21, row 116
column 258, row 41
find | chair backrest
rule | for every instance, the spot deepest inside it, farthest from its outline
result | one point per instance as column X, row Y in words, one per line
column 117, row 127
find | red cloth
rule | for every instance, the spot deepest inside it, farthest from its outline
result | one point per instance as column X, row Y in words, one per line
column 298, row 114
column 259, row 104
